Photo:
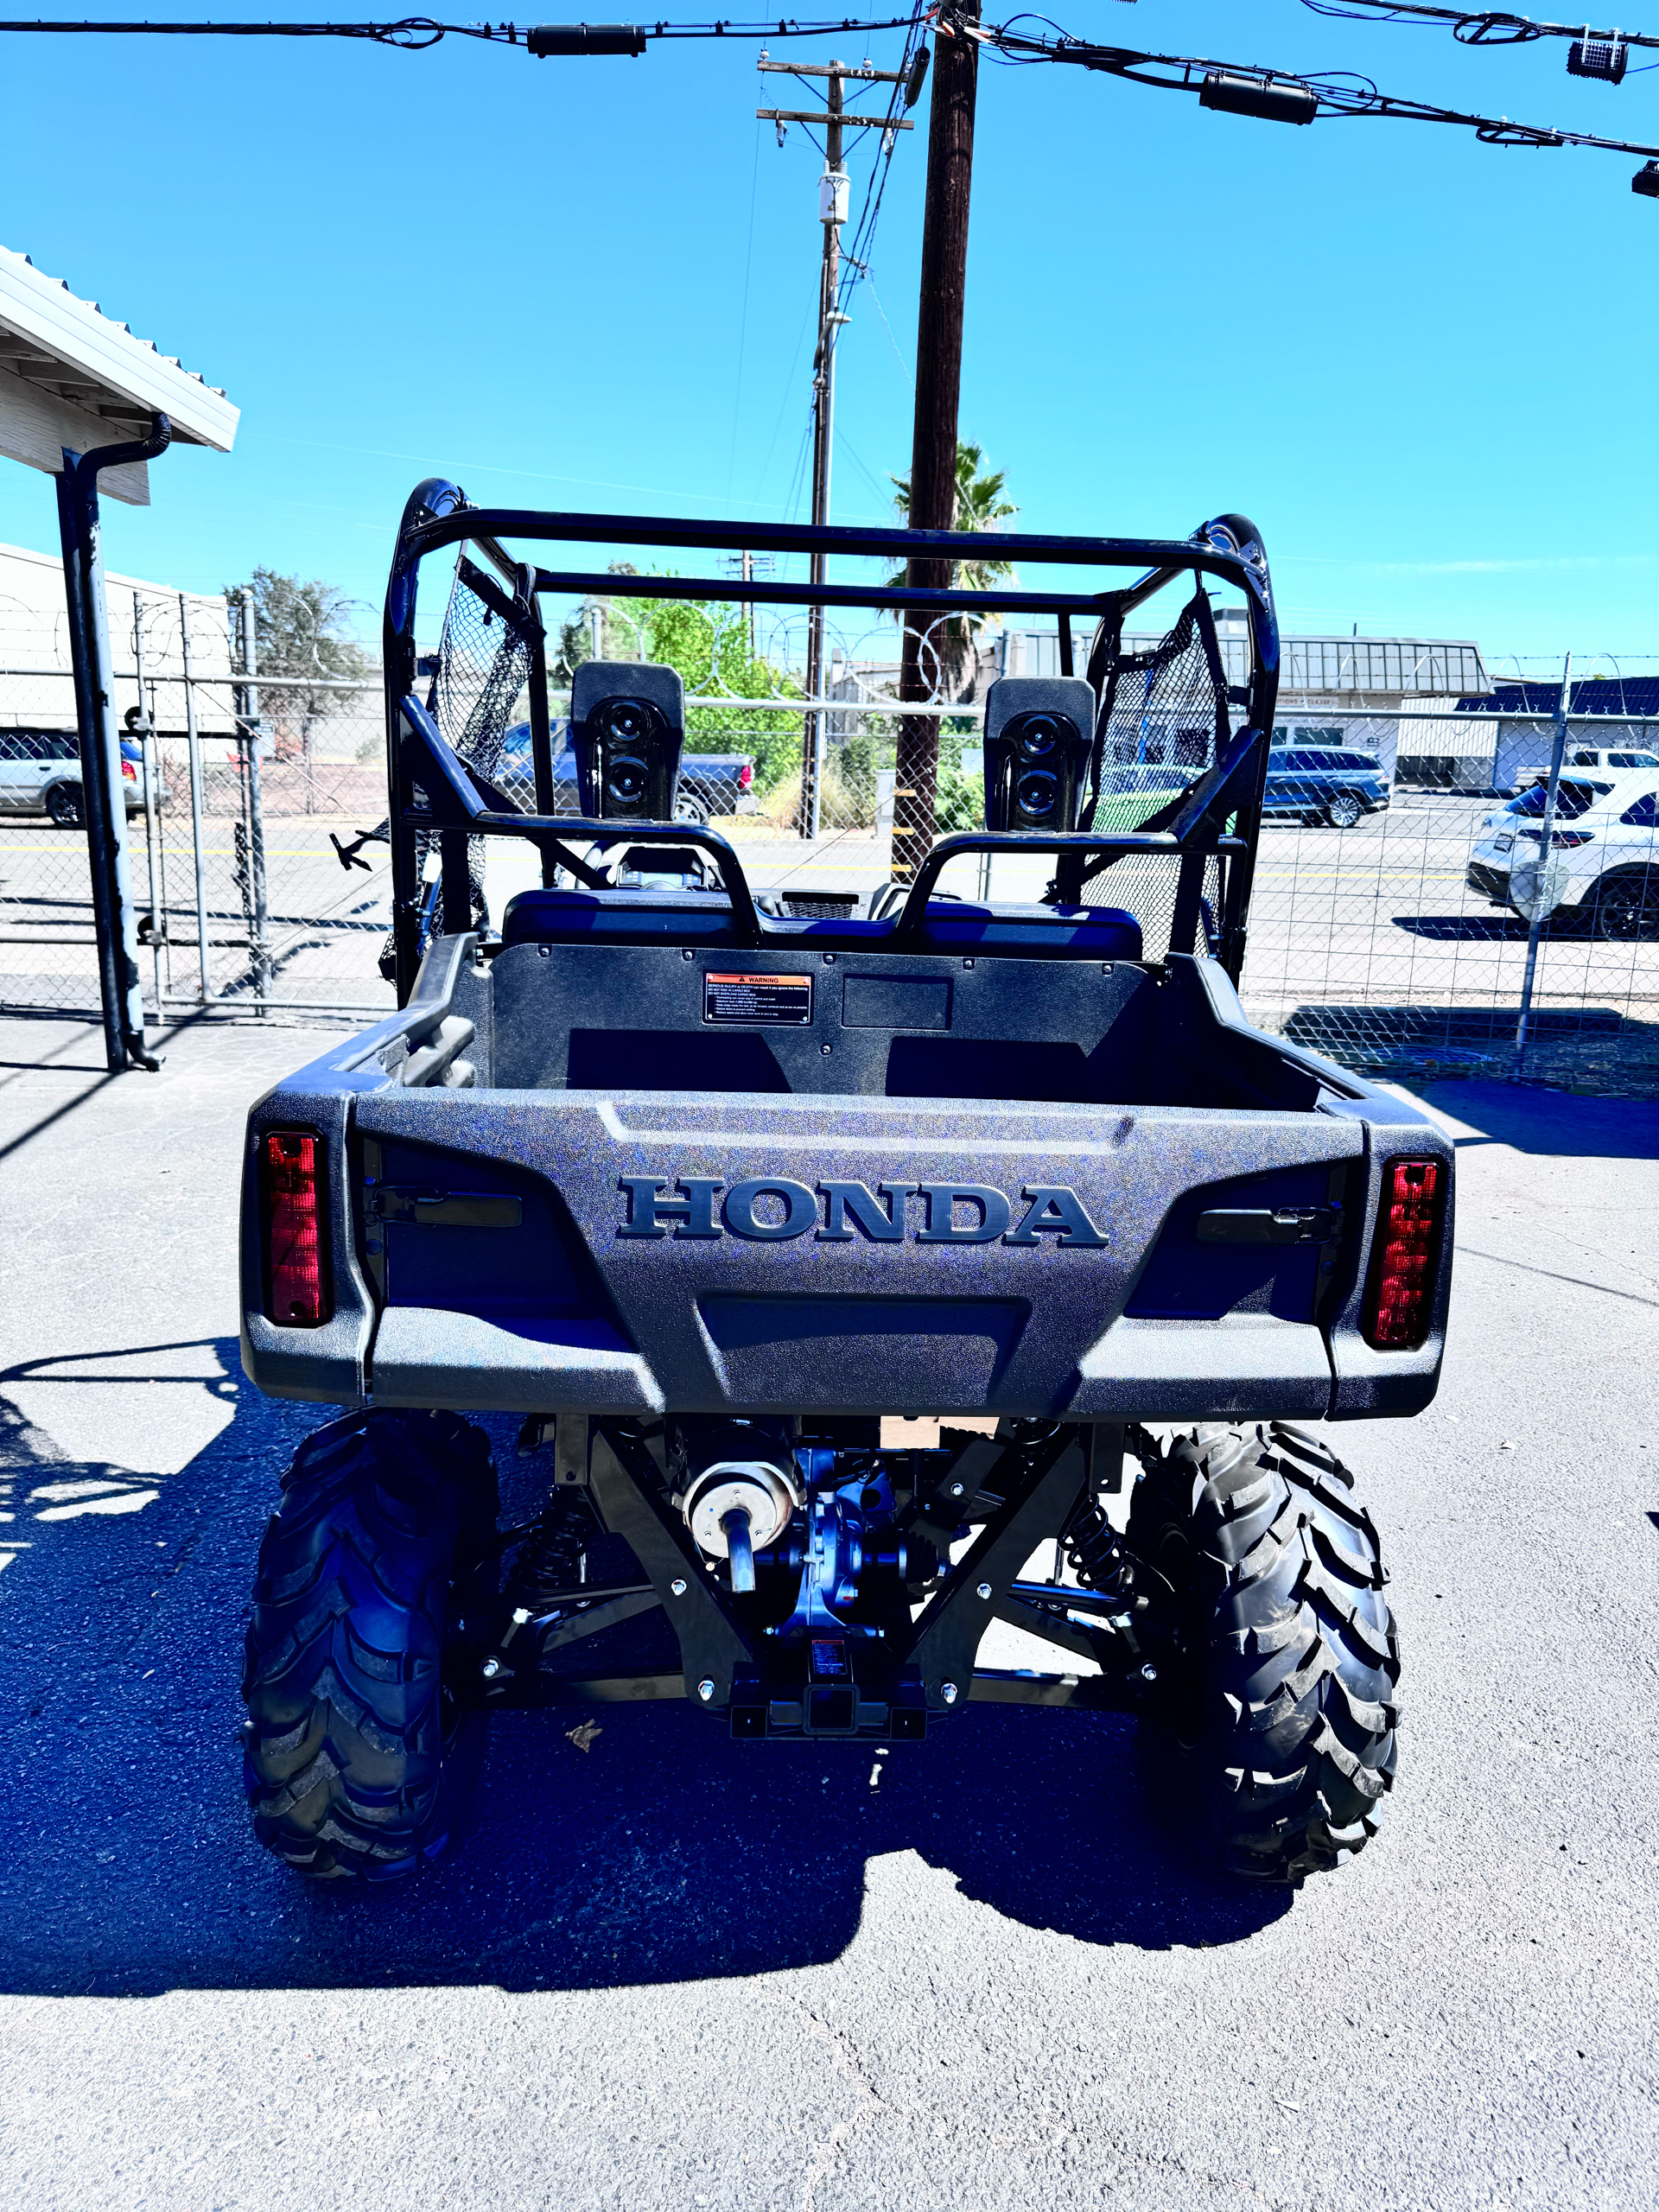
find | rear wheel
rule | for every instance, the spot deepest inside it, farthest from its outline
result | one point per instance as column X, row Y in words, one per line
column 1343, row 809
column 1627, row 906
column 64, row 806
column 1279, row 1724
column 354, row 1741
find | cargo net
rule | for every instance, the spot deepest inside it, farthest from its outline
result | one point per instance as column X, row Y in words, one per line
column 1163, row 715
column 481, row 691
column 481, row 702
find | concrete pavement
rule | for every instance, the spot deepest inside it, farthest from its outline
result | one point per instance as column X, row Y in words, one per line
column 677, row 1972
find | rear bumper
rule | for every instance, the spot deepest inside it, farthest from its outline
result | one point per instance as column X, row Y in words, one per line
column 838, row 1328
column 1489, row 882
column 1247, row 1366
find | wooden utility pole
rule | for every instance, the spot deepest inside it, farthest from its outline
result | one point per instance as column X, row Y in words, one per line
column 833, row 192
column 933, row 448
column 832, row 213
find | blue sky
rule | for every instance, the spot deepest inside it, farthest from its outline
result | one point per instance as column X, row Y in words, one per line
column 1422, row 365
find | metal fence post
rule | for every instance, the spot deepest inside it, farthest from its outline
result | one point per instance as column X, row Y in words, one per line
column 153, row 928
column 1536, row 919
column 260, row 931
column 193, row 736
column 120, row 989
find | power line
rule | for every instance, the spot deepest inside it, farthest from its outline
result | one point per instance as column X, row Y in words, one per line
column 1281, row 96
column 1274, row 95
column 415, row 33
column 1471, row 27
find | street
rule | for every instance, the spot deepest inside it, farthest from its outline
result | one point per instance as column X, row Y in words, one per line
column 675, row 1971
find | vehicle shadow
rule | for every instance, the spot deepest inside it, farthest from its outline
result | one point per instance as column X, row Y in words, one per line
column 664, row 1853
column 1465, row 929
column 1491, row 929
column 1546, row 1122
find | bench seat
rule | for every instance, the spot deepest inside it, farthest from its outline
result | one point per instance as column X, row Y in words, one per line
column 704, row 918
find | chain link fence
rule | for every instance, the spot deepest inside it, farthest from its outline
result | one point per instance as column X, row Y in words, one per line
column 1399, row 945
column 1382, row 934
column 240, row 897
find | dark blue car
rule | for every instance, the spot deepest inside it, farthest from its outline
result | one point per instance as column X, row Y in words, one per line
column 1324, row 783
column 711, row 783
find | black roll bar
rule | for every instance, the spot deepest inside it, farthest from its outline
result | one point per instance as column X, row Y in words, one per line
column 463, row 801
column 437, row 515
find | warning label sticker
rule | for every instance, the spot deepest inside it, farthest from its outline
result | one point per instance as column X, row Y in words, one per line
column 758, row 998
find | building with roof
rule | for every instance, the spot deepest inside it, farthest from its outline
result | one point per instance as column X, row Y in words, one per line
column 71, row 377
column 147, row 625
column 1495, row 739
column 1318, row 675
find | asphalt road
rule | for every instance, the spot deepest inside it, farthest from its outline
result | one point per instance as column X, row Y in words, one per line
column 674, row 1972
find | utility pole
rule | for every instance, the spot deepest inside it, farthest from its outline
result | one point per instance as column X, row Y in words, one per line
column 938, row 386
column 833, row 194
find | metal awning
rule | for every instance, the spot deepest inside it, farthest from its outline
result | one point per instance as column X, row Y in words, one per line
column 71, row 377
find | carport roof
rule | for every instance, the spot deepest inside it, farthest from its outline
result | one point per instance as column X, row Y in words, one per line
column 71, row 377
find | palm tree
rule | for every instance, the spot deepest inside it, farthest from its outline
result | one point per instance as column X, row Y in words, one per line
column 980, row 506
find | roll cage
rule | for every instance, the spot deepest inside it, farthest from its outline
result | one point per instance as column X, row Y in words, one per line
column 1200, row 843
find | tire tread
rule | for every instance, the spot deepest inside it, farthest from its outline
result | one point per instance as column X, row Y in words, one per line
column 1292, row 1739
column 344, row 1744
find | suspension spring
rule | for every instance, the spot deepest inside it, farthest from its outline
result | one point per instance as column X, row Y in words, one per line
column 550, row 1558
column 1097, row 1556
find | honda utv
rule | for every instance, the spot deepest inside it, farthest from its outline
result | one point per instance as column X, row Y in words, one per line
column 870, row 1284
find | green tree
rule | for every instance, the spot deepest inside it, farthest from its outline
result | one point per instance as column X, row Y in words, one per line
column 980, row 506
column 710, row 643
column 301, row 629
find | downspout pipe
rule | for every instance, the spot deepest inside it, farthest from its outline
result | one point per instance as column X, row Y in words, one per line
column 120, row 987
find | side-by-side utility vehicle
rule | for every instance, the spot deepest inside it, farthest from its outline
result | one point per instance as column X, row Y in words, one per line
column 837, row 1264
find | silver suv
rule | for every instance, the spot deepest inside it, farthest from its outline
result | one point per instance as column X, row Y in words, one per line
column 40, row 773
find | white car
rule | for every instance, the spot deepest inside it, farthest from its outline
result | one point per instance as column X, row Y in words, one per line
column 1603, row 865
column 1529, row 799
column 1617, row 757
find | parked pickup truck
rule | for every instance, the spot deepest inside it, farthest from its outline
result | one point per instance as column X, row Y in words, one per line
column 710, row 1199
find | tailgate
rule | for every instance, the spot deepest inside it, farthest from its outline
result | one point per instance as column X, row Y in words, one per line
column 635, row 1252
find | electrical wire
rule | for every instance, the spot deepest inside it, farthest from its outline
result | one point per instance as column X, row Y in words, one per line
column 1338, row 95
column 415, row 33
column 743, row 321
column 1479, row 27
column 855, row 256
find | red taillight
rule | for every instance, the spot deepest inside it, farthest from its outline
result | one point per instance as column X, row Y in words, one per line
column 1408, row 1234
column 130, row 771
column 746, row 775
column 296, row 1294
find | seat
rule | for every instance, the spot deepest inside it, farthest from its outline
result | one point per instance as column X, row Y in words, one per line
column 703, row 917
column 1069, row 932
column 618, row 918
